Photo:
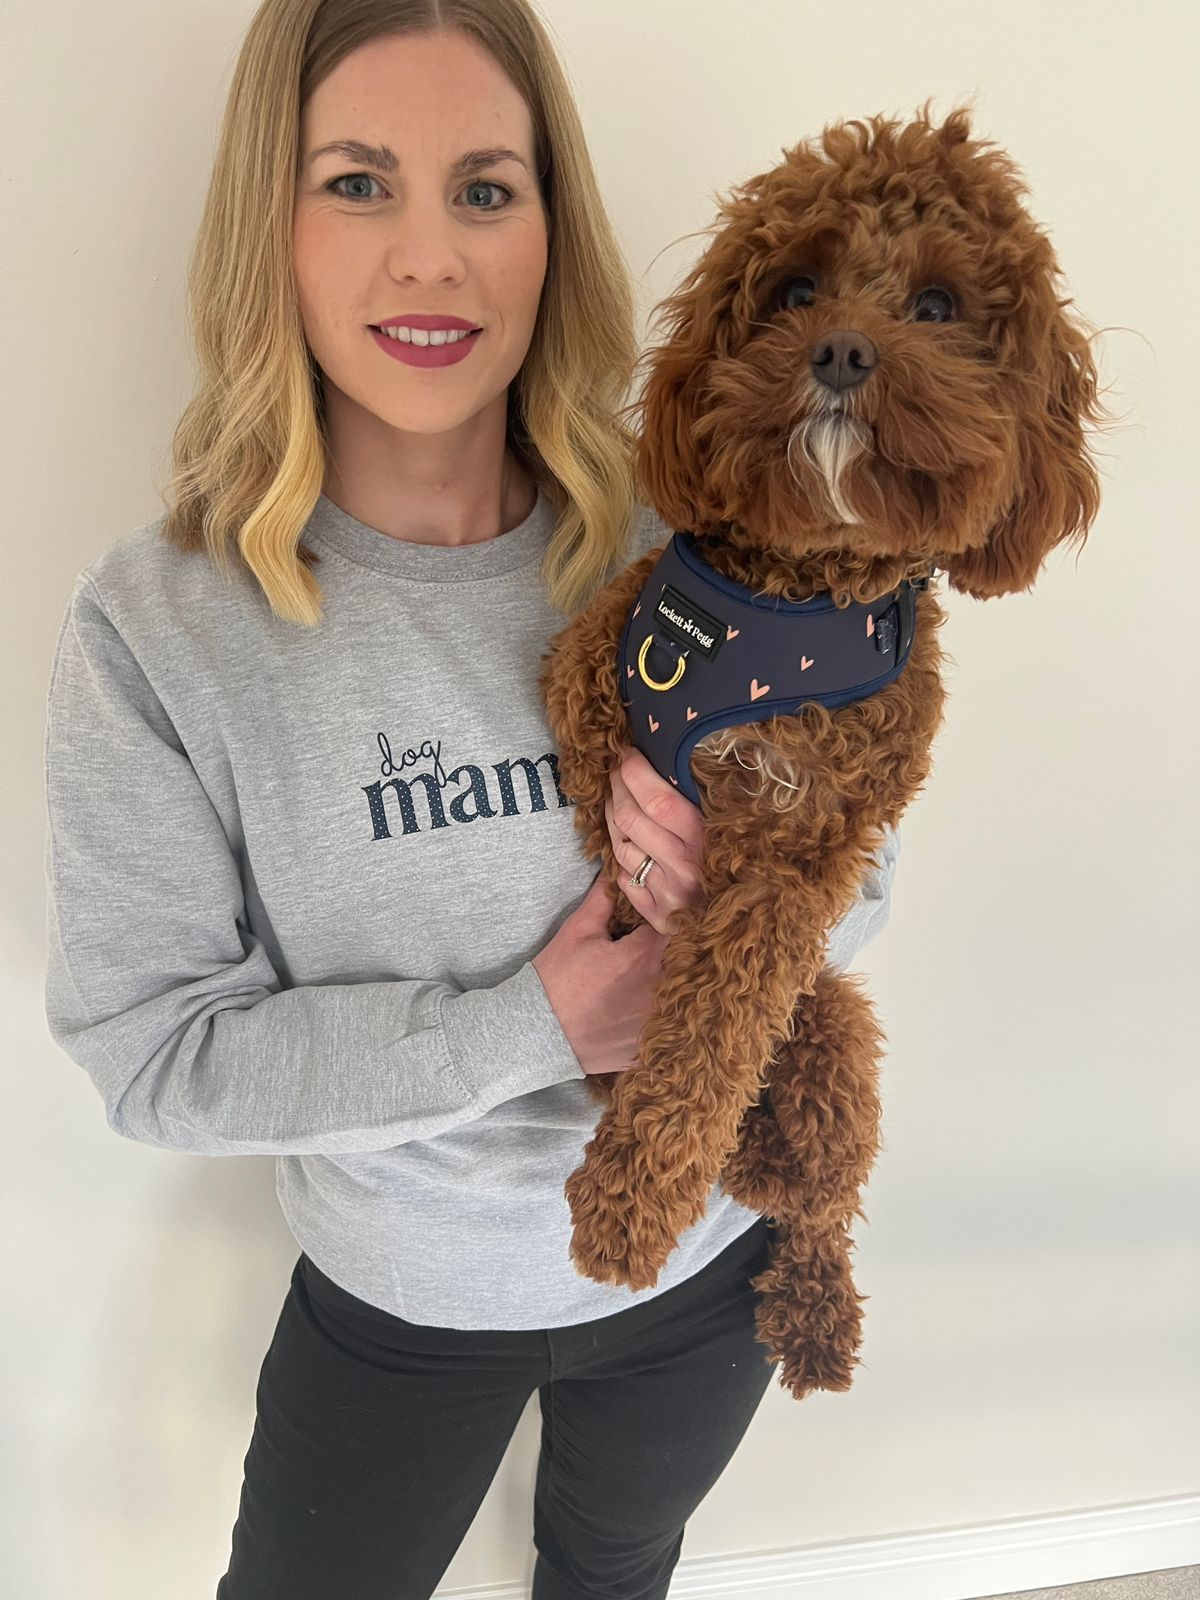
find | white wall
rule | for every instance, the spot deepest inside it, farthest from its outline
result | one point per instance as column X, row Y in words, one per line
column 1031, row 1253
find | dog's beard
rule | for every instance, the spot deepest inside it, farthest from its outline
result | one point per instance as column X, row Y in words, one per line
column 831, row 441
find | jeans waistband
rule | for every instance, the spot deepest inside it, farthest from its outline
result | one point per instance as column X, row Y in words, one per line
column 731, row 1261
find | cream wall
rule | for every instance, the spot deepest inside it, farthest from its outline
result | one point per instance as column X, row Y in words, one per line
column 1031, row 1252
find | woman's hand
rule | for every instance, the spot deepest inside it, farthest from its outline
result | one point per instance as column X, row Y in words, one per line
column 647, row 816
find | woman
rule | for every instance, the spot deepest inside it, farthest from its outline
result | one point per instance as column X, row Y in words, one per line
column 315, row 891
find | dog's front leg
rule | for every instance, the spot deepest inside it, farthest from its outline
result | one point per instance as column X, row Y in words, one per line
column 725, row 1000
column 583, row 701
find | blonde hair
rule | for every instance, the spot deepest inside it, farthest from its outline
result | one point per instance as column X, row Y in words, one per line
column 249, row 451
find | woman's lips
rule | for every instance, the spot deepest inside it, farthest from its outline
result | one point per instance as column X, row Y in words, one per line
column 426, row 355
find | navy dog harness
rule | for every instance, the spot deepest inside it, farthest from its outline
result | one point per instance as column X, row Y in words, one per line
column 700, row 651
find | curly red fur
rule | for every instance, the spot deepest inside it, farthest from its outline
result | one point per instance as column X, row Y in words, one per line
column 958, row 443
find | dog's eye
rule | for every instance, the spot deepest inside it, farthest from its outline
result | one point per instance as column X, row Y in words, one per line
column 797, row 292
column 934, row 305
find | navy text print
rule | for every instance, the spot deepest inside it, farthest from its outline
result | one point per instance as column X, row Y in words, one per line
column 418, row 802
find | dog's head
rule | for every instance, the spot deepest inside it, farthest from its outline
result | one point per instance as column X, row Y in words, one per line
column 870, row 359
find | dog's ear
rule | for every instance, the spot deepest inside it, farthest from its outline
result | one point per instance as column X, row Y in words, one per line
column 1056, row 491
column 669, row 452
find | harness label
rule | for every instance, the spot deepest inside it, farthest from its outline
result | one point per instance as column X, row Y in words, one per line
column 686, row 622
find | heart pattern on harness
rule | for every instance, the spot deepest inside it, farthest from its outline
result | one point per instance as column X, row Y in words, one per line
column 755, row 692
column 731, row 633
column 870, row 624
column 692, row 715
column 654, row 726
column 805, row 663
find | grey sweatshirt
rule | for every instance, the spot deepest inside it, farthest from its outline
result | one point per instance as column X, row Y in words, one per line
column 295, row 882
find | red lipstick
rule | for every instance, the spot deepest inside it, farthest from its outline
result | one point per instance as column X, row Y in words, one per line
column 448, row 354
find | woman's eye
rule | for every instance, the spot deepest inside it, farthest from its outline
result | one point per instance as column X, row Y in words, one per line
column 934, row 305
column 365, row 177
column 350, row 177
column 486, row 183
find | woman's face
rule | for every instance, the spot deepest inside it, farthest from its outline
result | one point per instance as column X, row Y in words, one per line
column 374, row 242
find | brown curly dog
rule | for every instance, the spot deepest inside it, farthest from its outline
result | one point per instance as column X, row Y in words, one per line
column 866, row 375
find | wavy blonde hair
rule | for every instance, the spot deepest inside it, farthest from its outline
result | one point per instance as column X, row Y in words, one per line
column 249, row 451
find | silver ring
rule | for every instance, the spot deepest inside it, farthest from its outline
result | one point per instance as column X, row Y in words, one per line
column 639, row 877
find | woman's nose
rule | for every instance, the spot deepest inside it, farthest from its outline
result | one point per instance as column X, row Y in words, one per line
column 424, row 241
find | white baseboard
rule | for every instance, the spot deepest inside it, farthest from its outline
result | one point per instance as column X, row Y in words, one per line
column 995, row 1558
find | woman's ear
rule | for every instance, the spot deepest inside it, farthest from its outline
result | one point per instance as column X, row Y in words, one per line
column 1057, row 491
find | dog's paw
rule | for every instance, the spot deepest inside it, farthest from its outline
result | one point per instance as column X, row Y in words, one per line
column 627, row 1215
column 615, row 1241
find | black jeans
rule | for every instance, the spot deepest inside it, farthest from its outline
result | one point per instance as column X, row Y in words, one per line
column 376, row 1439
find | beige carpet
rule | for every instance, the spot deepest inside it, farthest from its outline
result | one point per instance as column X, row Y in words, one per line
column 1173, row 1583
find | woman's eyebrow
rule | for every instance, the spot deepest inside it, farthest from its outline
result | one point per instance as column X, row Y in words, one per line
column 383, row 157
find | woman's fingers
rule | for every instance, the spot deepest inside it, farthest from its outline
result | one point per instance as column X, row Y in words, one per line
column 652, row 812
column 646, row 816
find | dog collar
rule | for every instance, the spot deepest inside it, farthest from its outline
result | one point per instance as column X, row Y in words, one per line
column 700, row 651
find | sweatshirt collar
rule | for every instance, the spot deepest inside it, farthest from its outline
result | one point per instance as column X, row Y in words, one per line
column 336, row 529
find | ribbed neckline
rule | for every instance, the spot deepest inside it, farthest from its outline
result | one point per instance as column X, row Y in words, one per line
column 429, row 563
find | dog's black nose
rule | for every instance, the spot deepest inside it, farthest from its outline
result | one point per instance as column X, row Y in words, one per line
column 843, row 359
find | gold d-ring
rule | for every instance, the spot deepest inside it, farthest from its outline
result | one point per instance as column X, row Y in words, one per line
column 646, row 679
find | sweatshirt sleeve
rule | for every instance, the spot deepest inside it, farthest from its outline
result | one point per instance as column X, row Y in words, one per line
column 157, row 987
column 870, row 911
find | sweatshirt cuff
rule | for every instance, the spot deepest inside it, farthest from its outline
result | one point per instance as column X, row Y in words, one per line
column 506, row 1040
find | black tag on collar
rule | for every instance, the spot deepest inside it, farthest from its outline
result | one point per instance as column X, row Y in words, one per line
column 688, row 622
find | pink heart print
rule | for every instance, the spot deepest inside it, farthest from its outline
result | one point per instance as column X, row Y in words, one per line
column 805, row 663
column 692, row 715
column 870, row 624
column 755, row 692
column 654, row 726
column 731, row 633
